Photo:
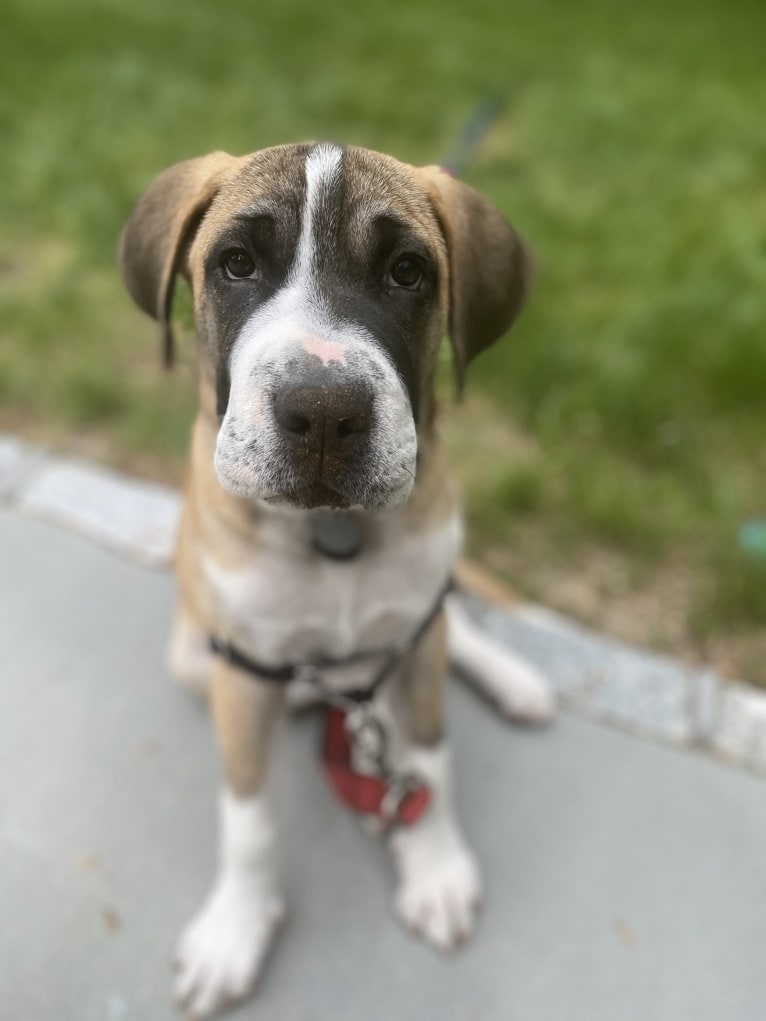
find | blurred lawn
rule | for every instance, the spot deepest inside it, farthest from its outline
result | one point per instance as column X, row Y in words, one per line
column 615, row 443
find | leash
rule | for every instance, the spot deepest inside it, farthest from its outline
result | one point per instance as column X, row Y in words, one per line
column 475, row 129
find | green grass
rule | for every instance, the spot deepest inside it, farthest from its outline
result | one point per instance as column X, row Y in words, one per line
column 631, row 155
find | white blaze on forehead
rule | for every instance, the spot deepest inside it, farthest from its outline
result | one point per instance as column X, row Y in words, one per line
column 323, row 168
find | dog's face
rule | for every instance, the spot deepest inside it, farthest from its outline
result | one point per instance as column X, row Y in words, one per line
column 321, row 297
column 323, row 280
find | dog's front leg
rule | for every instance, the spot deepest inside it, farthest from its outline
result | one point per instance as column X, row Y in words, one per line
column 439, row 889
column 222, row 950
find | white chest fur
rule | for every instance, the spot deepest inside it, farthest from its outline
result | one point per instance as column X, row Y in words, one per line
column 287, row 606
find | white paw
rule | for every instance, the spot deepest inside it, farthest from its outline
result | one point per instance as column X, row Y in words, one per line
column 515, row 686
column 522, row 694
column 221, row 952
column 440, row 902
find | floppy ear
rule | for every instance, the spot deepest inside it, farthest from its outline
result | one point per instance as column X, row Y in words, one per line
column 160, row 229
column 490, row 268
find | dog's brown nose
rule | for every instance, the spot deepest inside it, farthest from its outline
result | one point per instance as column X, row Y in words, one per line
column 330, row 419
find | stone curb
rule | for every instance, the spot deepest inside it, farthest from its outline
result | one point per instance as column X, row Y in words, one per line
column 594, row 676
column 131, row 517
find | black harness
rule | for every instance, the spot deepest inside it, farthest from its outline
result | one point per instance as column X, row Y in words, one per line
column 311, row 671
column 338, row 536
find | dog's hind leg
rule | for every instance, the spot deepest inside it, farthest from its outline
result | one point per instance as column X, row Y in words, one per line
column 516, row 687
column 189, row 658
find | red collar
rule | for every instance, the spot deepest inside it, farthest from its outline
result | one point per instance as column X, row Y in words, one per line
column 392, row 800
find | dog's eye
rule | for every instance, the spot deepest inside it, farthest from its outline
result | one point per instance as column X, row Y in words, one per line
column 406, row 272
column 237, row 264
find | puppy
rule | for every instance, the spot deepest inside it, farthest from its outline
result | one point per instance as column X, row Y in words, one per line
column 319, row 527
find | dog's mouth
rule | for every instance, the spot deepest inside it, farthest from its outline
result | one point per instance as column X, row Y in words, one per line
column 276, row 482
column 311, row 496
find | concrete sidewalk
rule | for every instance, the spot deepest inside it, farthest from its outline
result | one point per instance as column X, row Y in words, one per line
column 626, row 881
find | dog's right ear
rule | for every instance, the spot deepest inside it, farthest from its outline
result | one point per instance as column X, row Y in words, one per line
column 161, row 227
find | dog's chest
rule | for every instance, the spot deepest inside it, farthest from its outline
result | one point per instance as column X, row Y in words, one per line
column 283, row 605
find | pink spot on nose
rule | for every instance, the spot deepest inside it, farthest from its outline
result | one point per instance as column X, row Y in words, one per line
column 326, row 350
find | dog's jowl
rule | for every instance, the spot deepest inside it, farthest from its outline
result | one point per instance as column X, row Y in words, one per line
column 319, row 527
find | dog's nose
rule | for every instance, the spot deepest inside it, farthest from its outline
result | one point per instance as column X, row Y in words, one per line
column 332, row 418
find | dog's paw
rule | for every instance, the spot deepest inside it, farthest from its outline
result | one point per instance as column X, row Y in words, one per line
column 518, row 690
column 439, row 900
column 521, row 693
column 221, row 952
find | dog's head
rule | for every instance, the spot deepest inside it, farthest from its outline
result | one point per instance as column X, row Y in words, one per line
column 323, row 280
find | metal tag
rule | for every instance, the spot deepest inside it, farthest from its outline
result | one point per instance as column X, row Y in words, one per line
column 336, row 534
column 367, row 739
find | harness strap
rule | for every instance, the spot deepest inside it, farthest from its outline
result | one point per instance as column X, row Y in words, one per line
column 292, row 671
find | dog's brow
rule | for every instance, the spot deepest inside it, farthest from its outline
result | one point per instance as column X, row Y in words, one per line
column 390, row 217
column 263, row 211
column 391, row 227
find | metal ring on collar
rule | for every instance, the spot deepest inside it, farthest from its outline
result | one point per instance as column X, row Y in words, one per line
column 399, row 786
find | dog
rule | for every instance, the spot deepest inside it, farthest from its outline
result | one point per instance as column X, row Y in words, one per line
column 319, row 527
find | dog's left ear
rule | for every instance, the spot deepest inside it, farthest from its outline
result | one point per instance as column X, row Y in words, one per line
column 160, row 229
column 490, row 268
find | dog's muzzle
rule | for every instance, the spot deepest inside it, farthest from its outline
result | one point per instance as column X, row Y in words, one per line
column 311, row 435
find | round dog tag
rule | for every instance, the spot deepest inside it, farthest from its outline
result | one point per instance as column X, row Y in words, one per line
column 336, row 534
